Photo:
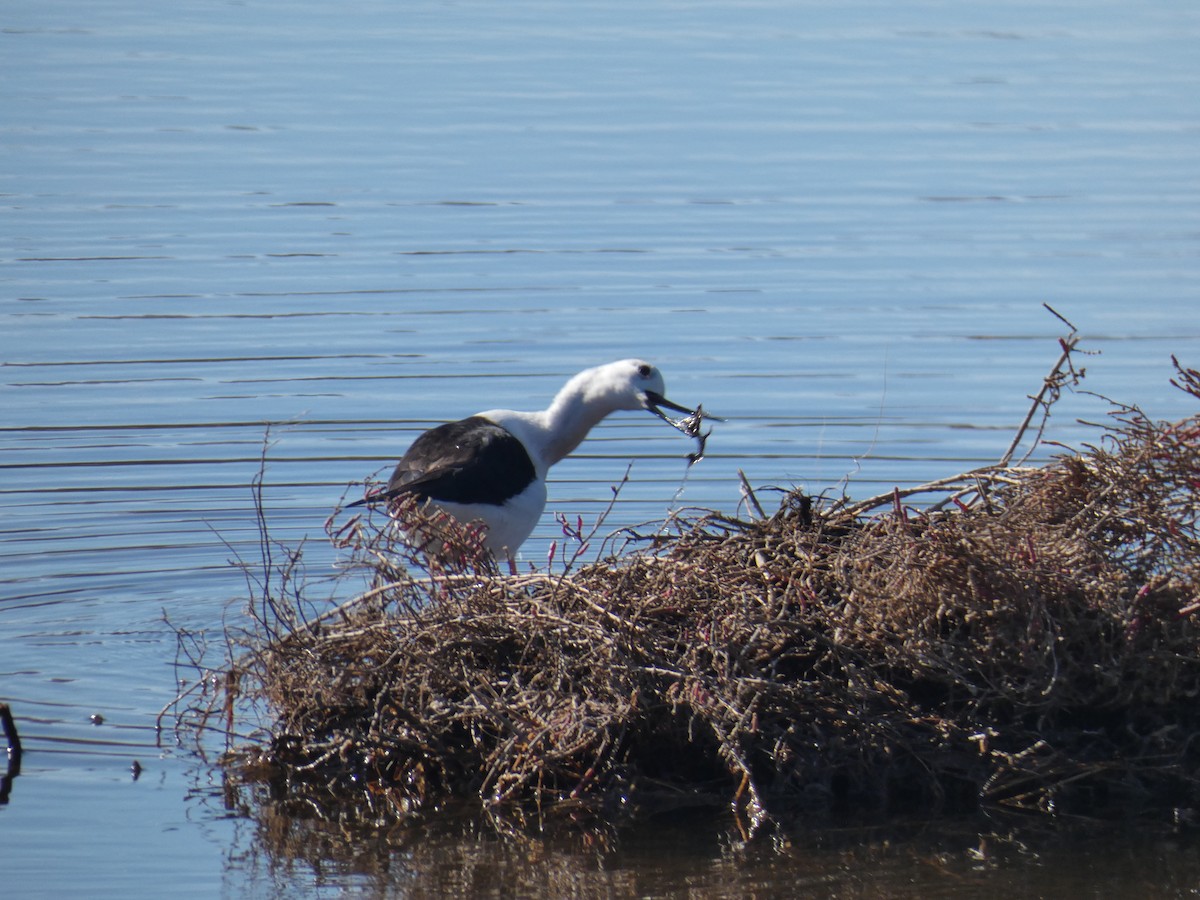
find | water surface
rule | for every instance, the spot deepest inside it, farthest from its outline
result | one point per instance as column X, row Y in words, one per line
column 304, row 232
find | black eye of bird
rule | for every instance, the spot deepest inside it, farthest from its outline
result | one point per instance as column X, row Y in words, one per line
column 644, row 370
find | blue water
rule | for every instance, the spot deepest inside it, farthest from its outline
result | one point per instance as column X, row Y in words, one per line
column 833, row 224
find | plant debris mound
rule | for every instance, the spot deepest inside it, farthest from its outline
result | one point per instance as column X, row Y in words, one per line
column 1015, row 635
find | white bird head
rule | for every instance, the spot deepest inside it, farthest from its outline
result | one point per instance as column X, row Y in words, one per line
column 624, row 384
column 627, row 384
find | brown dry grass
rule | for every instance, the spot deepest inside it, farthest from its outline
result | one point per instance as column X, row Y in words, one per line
column 1027, row 637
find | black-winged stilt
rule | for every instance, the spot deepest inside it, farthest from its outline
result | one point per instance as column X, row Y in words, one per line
column 491, row 467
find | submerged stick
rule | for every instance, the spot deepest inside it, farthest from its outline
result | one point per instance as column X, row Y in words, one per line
column 13, row 741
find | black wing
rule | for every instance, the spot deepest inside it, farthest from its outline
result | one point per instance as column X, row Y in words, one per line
column 472, row 460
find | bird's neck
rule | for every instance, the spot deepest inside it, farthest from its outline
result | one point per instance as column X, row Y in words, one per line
column 553, row 433
column 566, row 423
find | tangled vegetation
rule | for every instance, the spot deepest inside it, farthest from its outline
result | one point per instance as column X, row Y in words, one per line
column 1017, row 636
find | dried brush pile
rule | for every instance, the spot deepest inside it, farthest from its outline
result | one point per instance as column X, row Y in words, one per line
column 1021, row 636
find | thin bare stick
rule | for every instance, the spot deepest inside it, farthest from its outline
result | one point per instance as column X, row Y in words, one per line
column 1051, row 384
column 748, row 495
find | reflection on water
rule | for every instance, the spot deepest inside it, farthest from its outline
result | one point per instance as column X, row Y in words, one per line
column 291, row 836
column 309, row 232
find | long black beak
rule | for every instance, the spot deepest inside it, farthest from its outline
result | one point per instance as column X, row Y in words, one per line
column 656, row 403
